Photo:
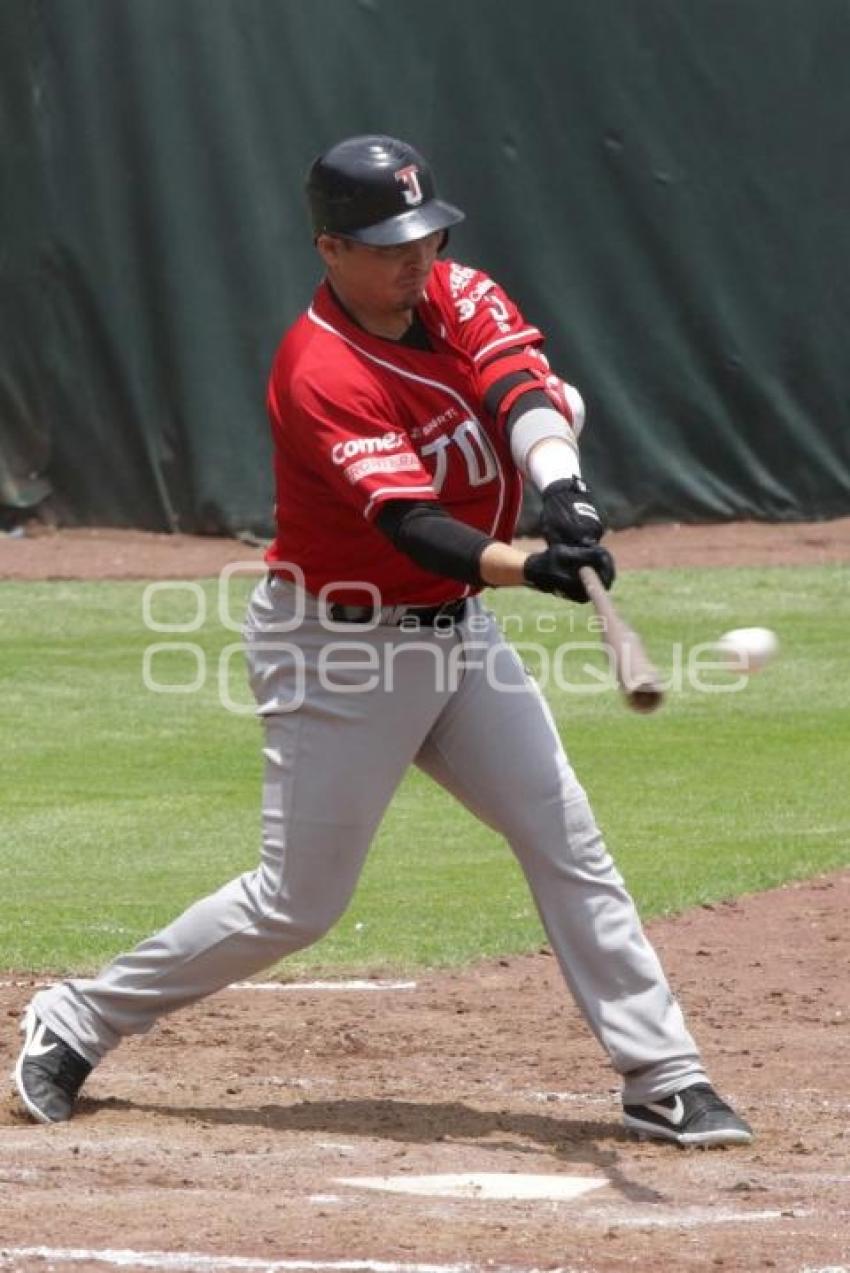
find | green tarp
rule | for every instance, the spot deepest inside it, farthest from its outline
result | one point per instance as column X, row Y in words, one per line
column 663, row 184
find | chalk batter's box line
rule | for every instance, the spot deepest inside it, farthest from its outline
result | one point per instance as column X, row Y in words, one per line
column 259, row 985
column 195, row 1262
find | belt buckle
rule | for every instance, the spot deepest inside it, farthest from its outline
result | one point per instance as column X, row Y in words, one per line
column 339, row 612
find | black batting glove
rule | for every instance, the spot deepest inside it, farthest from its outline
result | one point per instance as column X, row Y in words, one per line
column 569, row 515
column 556, row 570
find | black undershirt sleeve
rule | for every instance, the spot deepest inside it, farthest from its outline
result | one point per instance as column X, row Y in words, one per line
column 434, row 540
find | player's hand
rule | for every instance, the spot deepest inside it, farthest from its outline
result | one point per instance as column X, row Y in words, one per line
column 569, row 514
column 556, row 570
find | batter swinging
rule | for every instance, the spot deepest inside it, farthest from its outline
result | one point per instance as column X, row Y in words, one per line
column 406, row 405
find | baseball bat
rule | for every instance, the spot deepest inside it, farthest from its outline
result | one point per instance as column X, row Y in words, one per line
column 637, row 677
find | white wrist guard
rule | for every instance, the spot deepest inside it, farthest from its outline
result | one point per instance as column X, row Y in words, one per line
column 544, row 447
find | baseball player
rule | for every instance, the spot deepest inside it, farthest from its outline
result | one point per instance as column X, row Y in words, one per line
column 406, row 406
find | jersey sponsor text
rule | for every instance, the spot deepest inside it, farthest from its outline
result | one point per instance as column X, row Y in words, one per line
column 342, row 452
column 405, row 461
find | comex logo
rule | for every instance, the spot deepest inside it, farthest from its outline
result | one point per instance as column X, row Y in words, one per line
column 342, row 452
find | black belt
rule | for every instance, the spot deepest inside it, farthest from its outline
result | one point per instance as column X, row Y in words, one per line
column 395, row 616
column 401, row 616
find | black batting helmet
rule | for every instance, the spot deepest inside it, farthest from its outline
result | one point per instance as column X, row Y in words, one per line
column 377, row 190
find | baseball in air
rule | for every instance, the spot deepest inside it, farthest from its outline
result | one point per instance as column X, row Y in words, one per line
column 748, row 649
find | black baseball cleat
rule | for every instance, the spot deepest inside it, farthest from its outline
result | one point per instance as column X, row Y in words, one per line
column 49, row 1073
column 694, row 1116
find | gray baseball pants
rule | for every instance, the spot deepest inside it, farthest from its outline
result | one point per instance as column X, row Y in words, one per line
column 345, row 713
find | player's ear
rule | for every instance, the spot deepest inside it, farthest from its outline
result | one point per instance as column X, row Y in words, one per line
column 330, row 248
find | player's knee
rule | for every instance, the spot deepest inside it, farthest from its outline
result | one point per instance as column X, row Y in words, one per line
column 299, row 918
column 564, row 835
column 291, row 928
column 315, row 922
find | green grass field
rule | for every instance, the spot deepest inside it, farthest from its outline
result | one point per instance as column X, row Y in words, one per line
column 121, row 805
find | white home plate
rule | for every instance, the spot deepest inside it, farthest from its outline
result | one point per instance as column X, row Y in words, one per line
column 482, row 1184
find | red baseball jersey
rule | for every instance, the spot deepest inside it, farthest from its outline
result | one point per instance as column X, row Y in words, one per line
column 359, row 419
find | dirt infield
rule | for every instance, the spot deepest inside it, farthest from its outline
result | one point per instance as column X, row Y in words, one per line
column 129, row 554
column 230, row 1130
column 242, row 1130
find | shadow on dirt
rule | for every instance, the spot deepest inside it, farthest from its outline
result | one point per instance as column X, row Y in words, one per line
column 571, row 1141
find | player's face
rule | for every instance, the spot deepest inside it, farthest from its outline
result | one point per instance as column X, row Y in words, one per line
column 386, row 281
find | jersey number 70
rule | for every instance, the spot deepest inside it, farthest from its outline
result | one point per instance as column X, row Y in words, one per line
column 473, row 446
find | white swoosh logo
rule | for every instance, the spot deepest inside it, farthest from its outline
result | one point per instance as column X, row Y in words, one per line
column 674, row 1115
column 37, row 1048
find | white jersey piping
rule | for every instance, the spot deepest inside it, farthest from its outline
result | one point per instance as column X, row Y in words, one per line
column 531, row 333
column 398, row 492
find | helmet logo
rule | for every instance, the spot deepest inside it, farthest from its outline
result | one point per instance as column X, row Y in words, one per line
column 408, row 178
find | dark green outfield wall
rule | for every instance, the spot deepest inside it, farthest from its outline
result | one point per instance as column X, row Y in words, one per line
column 663, row 184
